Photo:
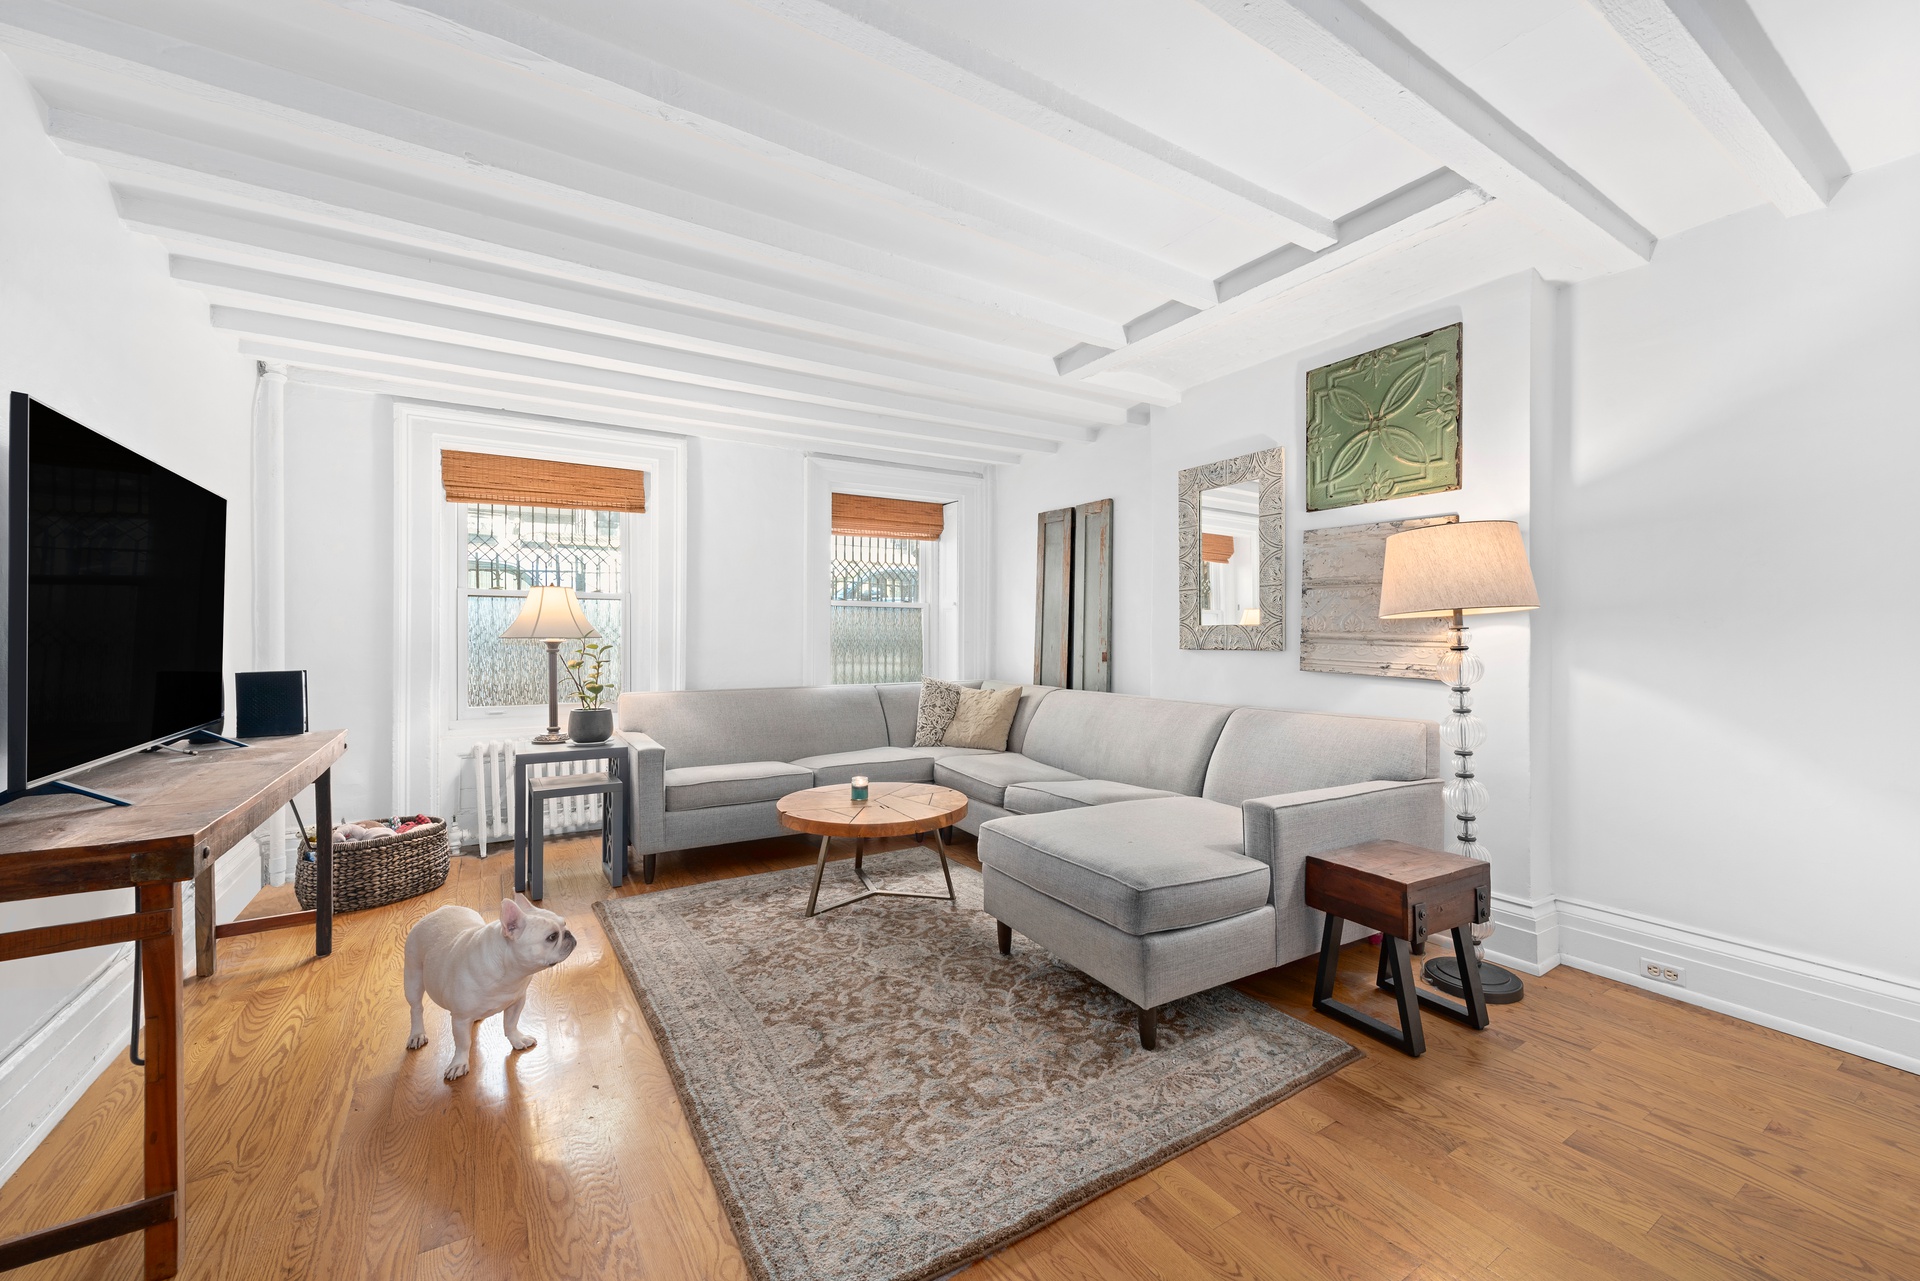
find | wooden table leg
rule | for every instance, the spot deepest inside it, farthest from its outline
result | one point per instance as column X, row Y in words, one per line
column 205, row 958
column 323, row 865
column 166, row 1146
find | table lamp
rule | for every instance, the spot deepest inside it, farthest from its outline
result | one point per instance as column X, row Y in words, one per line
column 551, row 614
column 1474, row 567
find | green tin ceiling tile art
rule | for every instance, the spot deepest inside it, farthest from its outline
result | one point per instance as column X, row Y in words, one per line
column 1385, row 424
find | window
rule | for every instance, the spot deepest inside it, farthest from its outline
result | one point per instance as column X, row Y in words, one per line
column 508, row 549
column 877, row 616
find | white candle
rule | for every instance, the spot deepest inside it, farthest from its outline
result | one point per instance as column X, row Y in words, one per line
column 859, row 780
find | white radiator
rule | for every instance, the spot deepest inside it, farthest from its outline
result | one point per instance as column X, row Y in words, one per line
column 490, row 774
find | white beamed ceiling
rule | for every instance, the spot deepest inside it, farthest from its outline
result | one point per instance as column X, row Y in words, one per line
column 912, row 228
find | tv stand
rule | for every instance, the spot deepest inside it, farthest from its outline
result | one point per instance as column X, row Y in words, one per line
column 199, row 736
column 59, row 787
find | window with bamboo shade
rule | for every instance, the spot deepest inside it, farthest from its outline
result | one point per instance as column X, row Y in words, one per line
column 861, row 515
column 536, row 482
column 1216, row 549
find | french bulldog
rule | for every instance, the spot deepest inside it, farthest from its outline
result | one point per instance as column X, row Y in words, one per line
column 474, row 970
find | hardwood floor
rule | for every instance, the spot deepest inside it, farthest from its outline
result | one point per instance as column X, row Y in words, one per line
column 1595, row 1132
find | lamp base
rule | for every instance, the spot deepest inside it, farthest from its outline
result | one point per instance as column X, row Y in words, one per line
column 551, row 736
column 1501, row 986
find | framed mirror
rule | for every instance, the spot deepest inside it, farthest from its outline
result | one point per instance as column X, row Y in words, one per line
column 1233, row 553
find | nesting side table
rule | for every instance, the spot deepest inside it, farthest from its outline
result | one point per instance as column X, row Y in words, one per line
column 613, row 852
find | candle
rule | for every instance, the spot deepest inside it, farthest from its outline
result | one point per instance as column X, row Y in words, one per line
column 859, row 787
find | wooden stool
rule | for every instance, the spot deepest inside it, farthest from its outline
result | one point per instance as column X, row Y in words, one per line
column 1404, row 892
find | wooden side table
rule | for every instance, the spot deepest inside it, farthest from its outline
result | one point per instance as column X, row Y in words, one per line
column 891, row 809
column 1405, row 893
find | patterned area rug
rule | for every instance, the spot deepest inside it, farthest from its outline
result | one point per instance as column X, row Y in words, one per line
column 880, row 1094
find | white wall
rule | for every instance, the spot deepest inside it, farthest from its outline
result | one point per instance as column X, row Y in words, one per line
column 91, row 324
column 1258, row 408
column 1736, row 697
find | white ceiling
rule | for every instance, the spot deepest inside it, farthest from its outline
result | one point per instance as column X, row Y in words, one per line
column 912, row 228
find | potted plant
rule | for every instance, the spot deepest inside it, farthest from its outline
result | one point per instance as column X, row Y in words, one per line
column 591, row 722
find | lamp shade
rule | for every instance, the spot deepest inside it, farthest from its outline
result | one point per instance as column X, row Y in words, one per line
column 1476, row 567
column 551, row 613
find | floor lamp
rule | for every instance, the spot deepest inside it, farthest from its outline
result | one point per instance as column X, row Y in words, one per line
column 1440, row 571
column 551, row 614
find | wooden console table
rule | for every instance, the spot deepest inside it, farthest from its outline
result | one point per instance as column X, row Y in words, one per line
column 187, row 810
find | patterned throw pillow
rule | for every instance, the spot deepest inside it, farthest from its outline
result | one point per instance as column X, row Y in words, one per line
column 939, row 700
column 984, row 718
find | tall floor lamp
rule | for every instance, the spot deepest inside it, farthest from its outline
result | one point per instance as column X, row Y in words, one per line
column 1474, row 567
column 551, row 614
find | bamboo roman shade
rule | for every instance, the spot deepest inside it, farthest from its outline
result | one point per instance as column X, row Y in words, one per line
column 1216, row 549
column 868, row 517
column 535, row 482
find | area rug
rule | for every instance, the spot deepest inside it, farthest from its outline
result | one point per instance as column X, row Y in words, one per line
column 878, row 1093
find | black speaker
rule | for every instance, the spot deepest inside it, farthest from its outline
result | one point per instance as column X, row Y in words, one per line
column 269, row 704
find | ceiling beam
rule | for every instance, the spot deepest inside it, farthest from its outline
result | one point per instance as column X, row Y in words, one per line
column 340, row 133
column 392, row 378
column 1411, row 213
column 281, row 295
column 934, row 56
column 580, row 62
column 1353, row 54
column 1716, row 58
column 663, row 395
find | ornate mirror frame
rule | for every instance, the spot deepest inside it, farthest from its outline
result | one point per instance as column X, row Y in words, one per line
column 1268, row 469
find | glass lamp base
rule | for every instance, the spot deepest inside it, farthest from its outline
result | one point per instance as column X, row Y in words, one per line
column 1502, row 986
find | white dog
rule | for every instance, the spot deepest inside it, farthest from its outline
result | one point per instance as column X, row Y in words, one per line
column 474, row 970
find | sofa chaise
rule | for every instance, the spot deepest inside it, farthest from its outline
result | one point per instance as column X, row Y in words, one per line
column 1158, row 846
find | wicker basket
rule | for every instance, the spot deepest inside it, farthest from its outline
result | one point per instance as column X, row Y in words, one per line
column 380, row 871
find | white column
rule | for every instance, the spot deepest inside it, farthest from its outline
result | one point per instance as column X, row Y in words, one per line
column 270, row 569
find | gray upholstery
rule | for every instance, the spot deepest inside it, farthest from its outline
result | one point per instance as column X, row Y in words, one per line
column 646, row 815
column 901, row 705
column 1140, row 866
column 722, row 825
column 727, row 726
column 1044, row 798
column 978, row 815
column 987, row 776
column 700, row 787
column 1148, row 969
column 1149, row 742
column 879, row 764
column 1282, row 830
column 1030, row 696
column 1268, row 753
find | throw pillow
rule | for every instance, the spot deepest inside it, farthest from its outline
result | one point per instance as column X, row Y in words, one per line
column 984, row 718
column 938, row 702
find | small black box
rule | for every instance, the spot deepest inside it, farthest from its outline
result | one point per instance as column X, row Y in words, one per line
column 269, row 704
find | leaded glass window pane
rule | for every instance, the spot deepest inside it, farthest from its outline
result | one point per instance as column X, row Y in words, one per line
column 875, row 615
column 510, row 549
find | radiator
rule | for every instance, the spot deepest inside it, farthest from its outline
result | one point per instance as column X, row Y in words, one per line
column 490, row 774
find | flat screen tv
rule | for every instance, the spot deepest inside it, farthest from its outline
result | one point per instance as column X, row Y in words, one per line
column 116, row 584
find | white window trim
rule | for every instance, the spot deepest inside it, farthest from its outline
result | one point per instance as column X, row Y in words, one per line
column 429, row 735
column 959, row 606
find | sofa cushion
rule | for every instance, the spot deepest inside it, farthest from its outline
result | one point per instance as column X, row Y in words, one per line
column 983, row 719
column 1030, row 696
column 729, row 726
column 699, row 787
column 880, row 764
column 901, row 706
column 1044, row 798
column 1149, row 742
column 987, row 776
column 1140, row 866
column 939, row 704
column 1271, row 753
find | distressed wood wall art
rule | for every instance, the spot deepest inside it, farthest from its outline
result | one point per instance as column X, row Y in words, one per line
column 1268, row 469
column 1385, row 424
column 1340, row 625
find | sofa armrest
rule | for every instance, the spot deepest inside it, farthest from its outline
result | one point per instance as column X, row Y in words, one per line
column 647, row 814
column 1283, row 830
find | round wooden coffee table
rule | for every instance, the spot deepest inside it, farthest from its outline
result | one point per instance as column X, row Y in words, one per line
column 891, row 809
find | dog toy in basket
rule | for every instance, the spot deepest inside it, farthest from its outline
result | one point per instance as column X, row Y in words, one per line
column 377, row 861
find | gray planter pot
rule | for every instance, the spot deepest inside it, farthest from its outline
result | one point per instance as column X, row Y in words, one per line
column 590, row 724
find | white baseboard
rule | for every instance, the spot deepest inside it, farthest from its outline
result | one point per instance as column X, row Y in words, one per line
column 47, row 1073
column 1876, row 1016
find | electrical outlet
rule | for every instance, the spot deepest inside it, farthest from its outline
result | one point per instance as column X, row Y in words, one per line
column 1661, row 972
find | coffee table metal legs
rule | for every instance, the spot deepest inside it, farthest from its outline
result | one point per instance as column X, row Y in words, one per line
column 867, row 887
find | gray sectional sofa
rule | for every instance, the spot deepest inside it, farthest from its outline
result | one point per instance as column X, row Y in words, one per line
column 1159, row 846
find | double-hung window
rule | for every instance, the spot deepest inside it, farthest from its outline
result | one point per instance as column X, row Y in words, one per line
column 885, row 556
column 508, row 549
